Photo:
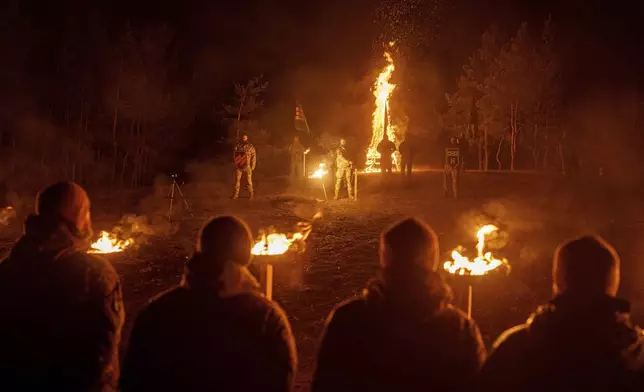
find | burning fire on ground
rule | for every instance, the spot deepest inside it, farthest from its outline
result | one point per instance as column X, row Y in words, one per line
column 382, row 90
column 274, row 244
column 108, row 243
column 483, row 263
column 320, row 172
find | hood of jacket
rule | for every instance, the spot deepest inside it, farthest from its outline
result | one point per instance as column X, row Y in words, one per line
column 52, row 237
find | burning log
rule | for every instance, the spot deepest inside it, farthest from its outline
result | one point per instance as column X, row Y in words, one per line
column 483, row 264
column 109, row 243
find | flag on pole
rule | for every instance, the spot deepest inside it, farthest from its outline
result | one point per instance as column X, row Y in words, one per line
column 300, row 119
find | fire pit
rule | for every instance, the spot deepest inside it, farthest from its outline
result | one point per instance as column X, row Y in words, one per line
column 484, row 263
column 109, row 243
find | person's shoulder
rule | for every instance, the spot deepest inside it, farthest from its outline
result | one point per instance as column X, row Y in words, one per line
column 513, row 337
column 348, row 310
column 98, row 267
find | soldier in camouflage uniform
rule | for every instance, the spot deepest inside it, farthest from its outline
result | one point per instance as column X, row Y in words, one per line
column 61, row 308
column 343, row 167
column 245, row 160
column 453, row 165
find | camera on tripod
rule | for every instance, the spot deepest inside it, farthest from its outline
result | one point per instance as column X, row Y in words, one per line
column 174, row 175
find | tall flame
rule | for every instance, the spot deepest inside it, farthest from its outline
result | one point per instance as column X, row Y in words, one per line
column 482, row 263
column 382, row 90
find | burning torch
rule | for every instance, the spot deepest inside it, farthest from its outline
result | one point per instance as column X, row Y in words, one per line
column 304, row 161
column 320, row 173
column 483, row 264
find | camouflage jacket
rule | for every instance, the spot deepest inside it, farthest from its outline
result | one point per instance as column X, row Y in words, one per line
column 341, row 159
column 244, row 156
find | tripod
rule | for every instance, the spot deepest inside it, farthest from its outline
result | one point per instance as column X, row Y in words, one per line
column 175, row 185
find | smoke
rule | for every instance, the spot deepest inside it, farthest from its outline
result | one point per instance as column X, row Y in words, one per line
column 140, row 229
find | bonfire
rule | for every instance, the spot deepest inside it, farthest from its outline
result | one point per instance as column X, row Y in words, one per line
column 482, row 264
column 382, row 90
column 109, row 243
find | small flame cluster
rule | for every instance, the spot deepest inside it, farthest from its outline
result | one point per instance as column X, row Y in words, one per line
column 279, row 243
column 109, row 243
column 483, row 263
column 320, row 172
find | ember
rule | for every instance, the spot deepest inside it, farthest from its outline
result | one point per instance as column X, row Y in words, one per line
column 108, row 243
column 482, row 264
column 320, row 172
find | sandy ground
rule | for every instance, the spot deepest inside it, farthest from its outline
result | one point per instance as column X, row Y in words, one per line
column 534, row 213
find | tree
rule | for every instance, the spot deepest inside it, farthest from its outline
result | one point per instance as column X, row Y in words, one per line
column 246, row 102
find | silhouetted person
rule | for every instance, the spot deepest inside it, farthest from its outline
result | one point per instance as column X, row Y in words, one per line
column 454, row 163
column 296, row 154
column 407, row 150
column 245, row 158
column 61, row 310
column 215, row 331
column 401, row 334
column 582, row 340
column 386, row 148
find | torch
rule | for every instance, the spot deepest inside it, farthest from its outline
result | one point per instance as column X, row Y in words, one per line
column 304, row 161
column 483, row 264
column 277, row 248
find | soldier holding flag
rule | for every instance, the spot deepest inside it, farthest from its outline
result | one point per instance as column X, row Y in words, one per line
column 453, row 164
column 245, row 160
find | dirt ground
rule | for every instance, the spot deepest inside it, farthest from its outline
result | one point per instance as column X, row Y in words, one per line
column 534, row 212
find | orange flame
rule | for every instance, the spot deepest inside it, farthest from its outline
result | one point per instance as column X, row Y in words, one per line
column 278, row 243
column 320, row 172
column 107, row 243
column 482, row 264
column 382, row 90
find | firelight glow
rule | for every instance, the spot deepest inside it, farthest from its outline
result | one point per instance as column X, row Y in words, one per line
column 482, row 264
column 320, row 172
column 108, row 243
column 382, row 90
column 275, row 244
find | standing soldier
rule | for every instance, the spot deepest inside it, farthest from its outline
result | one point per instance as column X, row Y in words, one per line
column 453, row 164
column 406, row 156
column 386, row 147
column 343, row 169
column 245, row 159
column 296, row 152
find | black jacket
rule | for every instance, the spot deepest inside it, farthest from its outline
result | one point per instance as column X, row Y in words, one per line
column 61, row 314
column 382, row 341
column 573, row 343
column 187, row 340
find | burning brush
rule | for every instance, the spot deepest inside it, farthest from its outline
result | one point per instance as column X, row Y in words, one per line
column 131, row 230
column 109, row 243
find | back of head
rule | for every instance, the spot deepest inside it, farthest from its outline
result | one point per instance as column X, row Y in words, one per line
column 586, row 264
column 67, row 201
column 407, row 246
column 225, row 239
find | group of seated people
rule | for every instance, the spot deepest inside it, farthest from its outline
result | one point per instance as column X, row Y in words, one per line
column 62, row 314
